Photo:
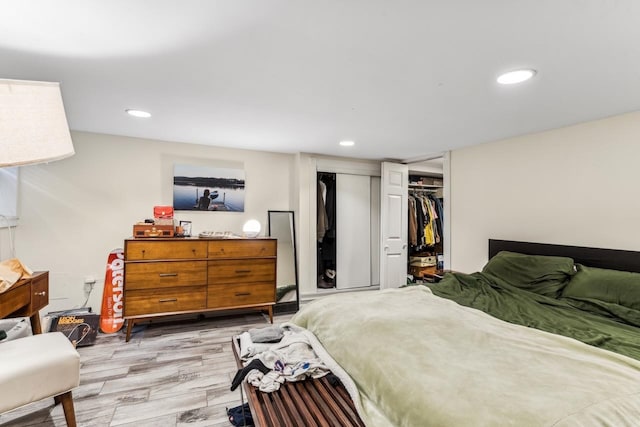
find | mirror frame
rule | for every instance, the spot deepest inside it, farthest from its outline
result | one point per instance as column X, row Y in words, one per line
column 288, row 306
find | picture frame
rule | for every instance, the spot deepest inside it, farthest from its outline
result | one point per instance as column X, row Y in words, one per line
column 186, row 228
column 208, row 188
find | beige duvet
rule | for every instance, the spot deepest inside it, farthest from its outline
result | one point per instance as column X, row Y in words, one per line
column 415, row 359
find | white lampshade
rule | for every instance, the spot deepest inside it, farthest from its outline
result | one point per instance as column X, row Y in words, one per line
column 251, row 228
column 33, row 124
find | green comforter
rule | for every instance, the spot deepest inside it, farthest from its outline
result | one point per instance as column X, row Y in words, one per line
column 411, row 358
column 608, row 326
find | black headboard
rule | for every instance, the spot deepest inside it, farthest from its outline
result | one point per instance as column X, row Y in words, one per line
column 613, row 259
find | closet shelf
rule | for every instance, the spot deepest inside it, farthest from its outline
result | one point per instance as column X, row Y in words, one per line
column 424, row 186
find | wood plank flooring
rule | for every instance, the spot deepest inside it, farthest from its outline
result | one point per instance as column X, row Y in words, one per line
column 176, row 373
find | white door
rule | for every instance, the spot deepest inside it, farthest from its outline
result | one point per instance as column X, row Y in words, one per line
column 394, row 225
column 353, row 232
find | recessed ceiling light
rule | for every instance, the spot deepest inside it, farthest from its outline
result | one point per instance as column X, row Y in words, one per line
column 517, row 76
column 347, row 143
column 138, row 113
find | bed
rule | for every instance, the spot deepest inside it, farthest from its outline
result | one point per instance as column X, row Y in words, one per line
column 544, row 335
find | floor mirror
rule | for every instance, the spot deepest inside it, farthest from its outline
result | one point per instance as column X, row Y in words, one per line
column 282, row 227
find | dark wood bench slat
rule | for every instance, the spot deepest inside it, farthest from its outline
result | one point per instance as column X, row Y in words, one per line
column 268, row 406
column 311, row 387
column 315, row 410
column 284, row 415
column 346, row 397
column 344, row 411
column 298, row 409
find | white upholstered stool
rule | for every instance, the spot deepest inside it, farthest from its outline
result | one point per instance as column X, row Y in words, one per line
column 37, row 367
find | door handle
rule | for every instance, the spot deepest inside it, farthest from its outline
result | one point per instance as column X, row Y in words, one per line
column 168, row 274
column 168, row 300
column 386, row 248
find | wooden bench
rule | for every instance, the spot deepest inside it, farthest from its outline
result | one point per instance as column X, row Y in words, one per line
column 309, row 403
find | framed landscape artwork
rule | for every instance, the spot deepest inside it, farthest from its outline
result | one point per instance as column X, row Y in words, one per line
column 206, row 188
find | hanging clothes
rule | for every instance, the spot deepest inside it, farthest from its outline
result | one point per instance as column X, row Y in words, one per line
column 425, row 220
column 323, row 221
column 439, row 211
column 330, row 203
column 413, row 222
column 429, row 236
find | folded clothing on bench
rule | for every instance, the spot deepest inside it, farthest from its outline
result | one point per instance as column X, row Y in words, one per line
column 291, row 359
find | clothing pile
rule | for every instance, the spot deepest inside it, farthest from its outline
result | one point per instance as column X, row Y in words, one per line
column 276, row 354
column 240, row 416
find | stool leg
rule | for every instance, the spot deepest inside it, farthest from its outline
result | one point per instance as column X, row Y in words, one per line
column 67, row 405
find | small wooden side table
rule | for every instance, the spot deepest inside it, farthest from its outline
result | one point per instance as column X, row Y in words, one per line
column 26, row 298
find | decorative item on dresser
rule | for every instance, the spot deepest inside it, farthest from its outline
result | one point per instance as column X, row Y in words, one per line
column 177, row 276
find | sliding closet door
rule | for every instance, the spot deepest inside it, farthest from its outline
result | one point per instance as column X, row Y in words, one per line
column 375, row 230
column 353, row 231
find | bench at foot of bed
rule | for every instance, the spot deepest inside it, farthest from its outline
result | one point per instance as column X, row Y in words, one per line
column 313, row 402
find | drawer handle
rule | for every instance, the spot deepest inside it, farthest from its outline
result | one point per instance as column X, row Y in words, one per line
column 243, row 271
column 40, row 294
column 168, row 300
column 168, row 274
column 243, row 294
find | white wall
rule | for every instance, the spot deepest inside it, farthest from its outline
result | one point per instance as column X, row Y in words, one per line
column 74, row 211
column 576, row 186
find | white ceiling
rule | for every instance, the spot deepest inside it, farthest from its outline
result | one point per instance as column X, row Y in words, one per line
column 403, row 79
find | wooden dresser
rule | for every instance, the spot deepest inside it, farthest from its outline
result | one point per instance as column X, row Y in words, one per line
column 167, row 276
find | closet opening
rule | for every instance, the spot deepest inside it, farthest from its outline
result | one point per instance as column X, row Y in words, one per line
column 348, row 236
column 426, row 240
column 326, row 230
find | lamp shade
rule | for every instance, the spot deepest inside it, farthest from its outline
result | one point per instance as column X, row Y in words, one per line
column 33, row 124
column 251, row 228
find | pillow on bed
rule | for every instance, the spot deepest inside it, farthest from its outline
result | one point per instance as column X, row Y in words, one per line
column 544, row 275
column 612, row 286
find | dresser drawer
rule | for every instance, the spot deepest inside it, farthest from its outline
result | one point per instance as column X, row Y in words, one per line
column 239, row 294
column 242, row 248
column 242, row 271
column 150, row 301
column 146, row 250
column 39, row 293
column 153, row 275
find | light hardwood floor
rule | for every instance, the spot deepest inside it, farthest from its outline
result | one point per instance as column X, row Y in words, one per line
column 176, row 373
